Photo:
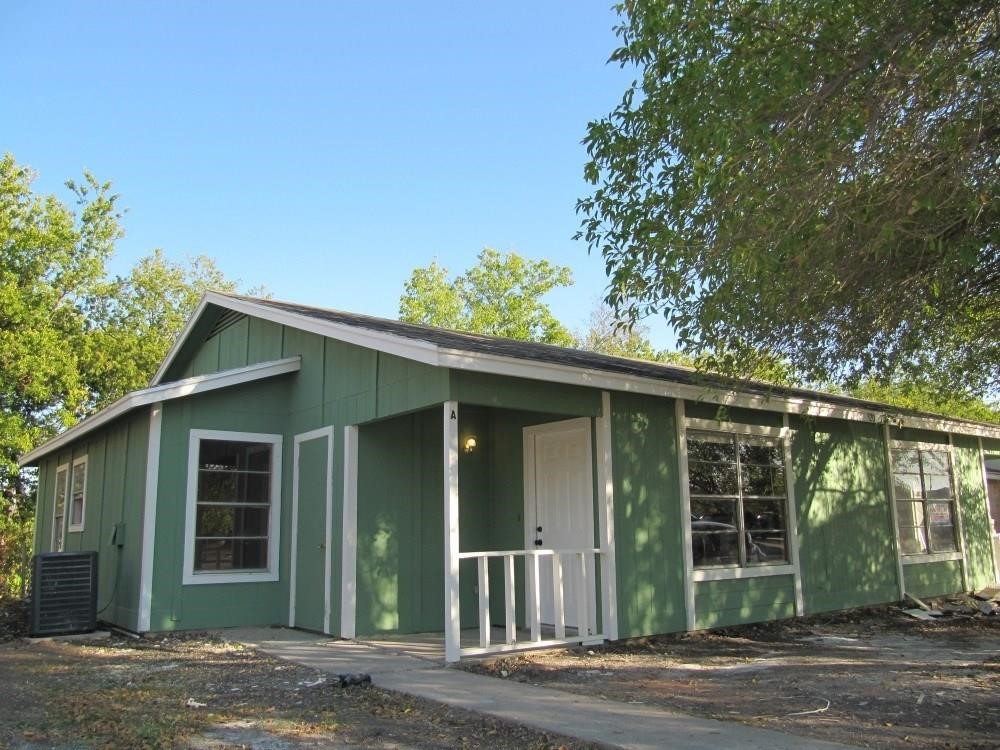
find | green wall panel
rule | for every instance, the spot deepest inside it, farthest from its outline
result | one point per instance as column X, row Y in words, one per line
column 933, row 579
column 233, row 342
column 976, row 526
column 648, row 531
column 705, row 410
column 400, row 563
column 918, row 436
column 846, row 547
column 733, row 602
column 528, row 395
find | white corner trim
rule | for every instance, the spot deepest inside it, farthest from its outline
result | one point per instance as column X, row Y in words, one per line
column 989, row 511
column 959, row 526
column 349, row 562
column 323, row 433
column 793, row 522
column 685, row 489
column 893, row 512
column 452, row 623
column 190, row 577
column 149, row 518
column 606, row 519
column 70, row 526
column 165, row 392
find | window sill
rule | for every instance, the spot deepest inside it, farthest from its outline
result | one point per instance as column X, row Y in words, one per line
column 250, row 576
column 728, row 574
column 931, row 557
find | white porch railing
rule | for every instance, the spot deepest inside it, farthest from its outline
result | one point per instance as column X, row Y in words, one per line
column 584, row 563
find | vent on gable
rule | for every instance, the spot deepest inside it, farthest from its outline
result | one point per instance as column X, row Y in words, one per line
column 64, row 593
column 228, row 318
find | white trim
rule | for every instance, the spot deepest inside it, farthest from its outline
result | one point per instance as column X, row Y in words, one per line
column 149, row 518
column 58, row 541
column 685, row 488
column 606, row 519
column 758, row 571
column 274, row 529
column 793, row 523
column 738, row 428
column 932, row 557
column 989, row 512
column 413, row 349
column 70, row 526
column 432, row 354
column 297, row 440
column 956, row 488
column 165, row 392
column 894, row 513
column 349, row 562
column 452, row 623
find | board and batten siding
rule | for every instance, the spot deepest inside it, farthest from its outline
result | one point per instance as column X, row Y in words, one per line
column 115, row 491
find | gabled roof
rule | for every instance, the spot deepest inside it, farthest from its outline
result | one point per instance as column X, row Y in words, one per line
column 474, row 352
column 164, row 392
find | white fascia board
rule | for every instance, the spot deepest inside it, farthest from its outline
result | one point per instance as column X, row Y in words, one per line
column 165, row 392
column 591, row 378
column 414, row 349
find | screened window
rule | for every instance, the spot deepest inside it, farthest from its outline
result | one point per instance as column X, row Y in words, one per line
column 59, row 508
column 233, row 508
column 739, row 500
column 924, row 494
column 78, row 494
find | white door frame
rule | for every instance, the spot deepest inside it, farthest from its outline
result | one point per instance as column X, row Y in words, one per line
column 322, row 432
column 529, row 434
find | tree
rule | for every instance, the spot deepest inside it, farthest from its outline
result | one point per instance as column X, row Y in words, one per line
column 608, row 335
column 72, row 340
column 51, row 262
column 814, row 182
column 137, row 317
column 499, row 296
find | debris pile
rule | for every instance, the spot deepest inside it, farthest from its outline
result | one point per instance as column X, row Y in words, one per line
column 984, row 603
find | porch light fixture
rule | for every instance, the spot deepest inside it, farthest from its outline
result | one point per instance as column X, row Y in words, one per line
column 470, row 444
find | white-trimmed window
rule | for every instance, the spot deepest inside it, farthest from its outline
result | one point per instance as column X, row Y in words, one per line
column 739, row 500
column 78, row 494
column 59, row 508
column 923, row 489
column 233, row 507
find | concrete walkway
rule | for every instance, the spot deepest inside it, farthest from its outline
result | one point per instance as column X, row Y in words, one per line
column 597, row 720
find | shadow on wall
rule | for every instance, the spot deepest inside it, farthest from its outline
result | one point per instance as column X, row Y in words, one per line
column 846, row 546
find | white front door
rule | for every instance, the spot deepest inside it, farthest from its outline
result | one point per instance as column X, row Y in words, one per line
column 559, row 512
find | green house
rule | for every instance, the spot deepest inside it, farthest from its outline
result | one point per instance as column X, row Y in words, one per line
column 362, row 477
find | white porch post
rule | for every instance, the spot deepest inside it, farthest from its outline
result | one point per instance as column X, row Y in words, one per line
column 606, row 520
column 349, row 550
column 452, row 623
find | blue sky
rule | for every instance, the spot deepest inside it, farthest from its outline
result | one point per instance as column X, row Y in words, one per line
column 321, row 149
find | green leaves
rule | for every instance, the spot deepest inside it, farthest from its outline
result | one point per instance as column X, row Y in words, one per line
column 817, row 181
column 499, row 296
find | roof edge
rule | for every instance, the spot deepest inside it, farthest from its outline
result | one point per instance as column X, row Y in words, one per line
column 159, row 393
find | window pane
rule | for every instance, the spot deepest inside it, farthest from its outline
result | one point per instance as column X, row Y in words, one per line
column 76, row 511
column 708, row 446
column 943, row 538
column 221, row 520
column 714, row 536
column 711, row 478
column 937, row 485
column 906, row 460
column 765, row 525
column 763, row 480
column 906, row 486
column 760, row 451
column 909, row 514
column 234, row 456
column 912, row 540
column 215, row 487
column 255, row 488
column 230, row 554
column 935, row 462
column 60, row 501
column 939, row 514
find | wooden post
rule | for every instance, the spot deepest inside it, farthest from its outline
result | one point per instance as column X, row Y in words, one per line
column 558, row 615
column 484, row 601
column 508, row 589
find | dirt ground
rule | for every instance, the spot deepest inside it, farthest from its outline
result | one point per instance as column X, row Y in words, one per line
column 205, row 694
column 872, row 678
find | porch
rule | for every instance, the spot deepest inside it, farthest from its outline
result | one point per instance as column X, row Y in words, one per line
column 503, row 543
